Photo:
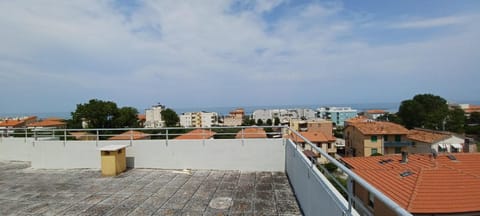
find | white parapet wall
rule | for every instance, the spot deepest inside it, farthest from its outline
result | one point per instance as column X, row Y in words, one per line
column 221, row 154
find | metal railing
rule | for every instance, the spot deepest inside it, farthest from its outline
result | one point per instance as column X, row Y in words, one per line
column 396, row 143
column 353, row 201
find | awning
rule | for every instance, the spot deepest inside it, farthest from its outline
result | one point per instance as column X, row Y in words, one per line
column 457, row 145
column 444, row 146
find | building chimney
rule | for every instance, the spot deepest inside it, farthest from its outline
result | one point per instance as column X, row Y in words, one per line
column 404, row 157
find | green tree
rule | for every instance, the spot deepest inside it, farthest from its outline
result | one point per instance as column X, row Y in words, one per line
column 97, row 113
column 259, row 122
column 455, row 121
column 276, row 121
column 170, row 117
column 474, row 118
column 424, row 110
column 127, row 117
column 269, row 122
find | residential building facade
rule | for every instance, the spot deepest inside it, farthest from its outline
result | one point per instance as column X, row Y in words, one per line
column 338, row 115
column 234, row 118
column 320, row 125
column 371, row 137
column 285, row 115
column 426, row 141
column 199, row 119
column 374, row 114
column 153, row 117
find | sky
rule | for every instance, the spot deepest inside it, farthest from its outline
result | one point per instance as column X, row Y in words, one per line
column 56, row 54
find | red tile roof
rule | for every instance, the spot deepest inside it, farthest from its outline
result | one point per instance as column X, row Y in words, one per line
column 436, row 186
column 47, row 123
column 427, row 136
column 472, row 108
column 379, row 128
column 12, row 123
column 141, row 117
column 314, row 137
column 251, row 133
column 135, row 135
column 197, row 134
column 376, row 111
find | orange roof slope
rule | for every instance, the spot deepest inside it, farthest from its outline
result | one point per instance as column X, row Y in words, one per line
column 427, row 136
column 376, row 111
column 436, row 186
column 314, row 136
column 251, row 133
column 196, row 134
column 47, row 123
column 375, row 128
column 135, row 135
column 11, row 123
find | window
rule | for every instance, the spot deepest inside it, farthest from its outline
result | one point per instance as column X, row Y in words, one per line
column 373, row 138
column 414, row 144
column 385, row 138
column 370, row 199
column 398, row 138
column 398, row 150
column 374, row 151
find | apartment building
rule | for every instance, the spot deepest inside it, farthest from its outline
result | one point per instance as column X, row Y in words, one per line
column 153, row 117
column 422, row 184
column 324, row 141
column 234, row 118
column 199, row 119
column 320, row 125
column 374, row 114
column 371, row 137
column 7, row 125
column 338, row 115
column 285, row 115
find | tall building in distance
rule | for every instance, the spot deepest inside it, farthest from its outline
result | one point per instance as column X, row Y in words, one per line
column 199, row 119
column 338, row 115
column 153, row 117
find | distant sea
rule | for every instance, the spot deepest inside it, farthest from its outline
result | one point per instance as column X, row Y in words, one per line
column 390, row 107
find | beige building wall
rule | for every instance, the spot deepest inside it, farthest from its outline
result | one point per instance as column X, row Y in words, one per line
column 379, row 208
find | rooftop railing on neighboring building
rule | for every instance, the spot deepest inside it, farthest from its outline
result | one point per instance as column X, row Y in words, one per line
column 318, row 188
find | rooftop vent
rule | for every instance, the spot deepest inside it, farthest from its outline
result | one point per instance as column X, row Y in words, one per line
column 385, row 161
column 406, row 173
column 451, row 157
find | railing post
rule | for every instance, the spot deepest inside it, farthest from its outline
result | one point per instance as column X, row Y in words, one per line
column 98, row 137
column 166, row 136
column 64, row 136
column 350, row 194
column 26, row 135
column 131, row 137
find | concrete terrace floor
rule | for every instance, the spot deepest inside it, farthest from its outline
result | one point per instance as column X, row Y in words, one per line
column 26, row 191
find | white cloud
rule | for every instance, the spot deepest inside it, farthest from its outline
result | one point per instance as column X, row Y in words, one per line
column 431, row 22
column 170, row 50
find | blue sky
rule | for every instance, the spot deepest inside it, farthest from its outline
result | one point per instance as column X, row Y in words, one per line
column 56, row 54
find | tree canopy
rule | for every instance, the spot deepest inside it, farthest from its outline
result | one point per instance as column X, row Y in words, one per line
column 170, row 117
column 424, row 110
column 104, row 114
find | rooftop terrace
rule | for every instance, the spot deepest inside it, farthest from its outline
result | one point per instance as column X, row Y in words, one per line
column 25, row 191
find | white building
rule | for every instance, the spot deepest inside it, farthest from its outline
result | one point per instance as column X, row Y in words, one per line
column 285, row 115
column 424, row 141
column 199, row 119
column 153, row 117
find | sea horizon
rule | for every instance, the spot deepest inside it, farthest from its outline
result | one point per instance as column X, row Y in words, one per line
column 391, row 107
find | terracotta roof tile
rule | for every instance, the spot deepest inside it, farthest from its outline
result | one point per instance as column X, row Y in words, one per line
column 376, row 111
column 47, row 123
column 436, row 186
column 252, row 132
column 427, row 136
column 314, row 136
column 375, row 128
column 135, row 135
column 11, row 123
column 197, row 134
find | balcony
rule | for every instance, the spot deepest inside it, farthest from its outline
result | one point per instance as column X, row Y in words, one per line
column 397, row 143
column 226, row 176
